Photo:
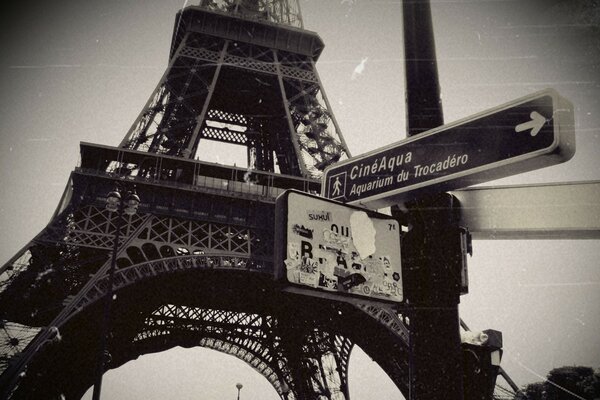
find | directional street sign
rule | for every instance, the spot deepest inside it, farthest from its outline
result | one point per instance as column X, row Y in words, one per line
column 526, row 134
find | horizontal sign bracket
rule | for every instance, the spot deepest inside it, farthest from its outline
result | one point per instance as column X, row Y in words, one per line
column 542, row 211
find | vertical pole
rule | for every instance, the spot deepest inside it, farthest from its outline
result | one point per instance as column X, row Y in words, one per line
column 423, row 103
column 431, row 249
column 107, row 307
column 239, row 387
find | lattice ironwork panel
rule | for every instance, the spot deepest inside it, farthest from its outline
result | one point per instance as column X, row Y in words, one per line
column 278, row 11
column 195, row 235
column 296, row 73
column 504, row 392
column 200, row 235
column 317, row 134
column 248, row 337
column 342, row 357
column 389, row 318
column 246, row 62
column 89, row 226
column 295, row 60
column 321, row 365
column 33, row 297
column 167, row 122
column 130, row 275
column 14, row 268
column 261, row 245
column 203, row 54
column 159, row 230
column 220, row 239
column 297, row 66
column 14, row 338
column 254, row 339
column 252, row 51
column 200, row 41
column 224, row 135
column 252, row 358
column 227, row 117
column 152, row 269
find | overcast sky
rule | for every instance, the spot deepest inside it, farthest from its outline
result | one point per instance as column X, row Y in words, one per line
column 82, row 70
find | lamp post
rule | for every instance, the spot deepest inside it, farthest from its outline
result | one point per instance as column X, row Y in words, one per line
column 239, row 387
column 129, row 207
column 285, row 390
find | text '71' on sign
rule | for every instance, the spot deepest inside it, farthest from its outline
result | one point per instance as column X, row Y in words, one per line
column 533, row 132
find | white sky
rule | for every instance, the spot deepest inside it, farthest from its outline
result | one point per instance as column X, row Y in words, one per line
column 81, row 71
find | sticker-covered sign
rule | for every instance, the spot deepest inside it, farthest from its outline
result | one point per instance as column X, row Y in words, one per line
column 330, row 246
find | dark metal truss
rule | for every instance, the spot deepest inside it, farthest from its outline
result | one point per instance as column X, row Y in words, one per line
column 319, row 142
column 136, row 273
column 256, row 340
column 388, row 317
column 156, row 245
column 248, row 337
column 251, row 337
column 285, row 12
column 182, row 109
column 150, row 245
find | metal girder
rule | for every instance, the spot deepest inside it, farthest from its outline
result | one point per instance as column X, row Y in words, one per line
column 544, row 211
column 206, row 73
column 259, row 341
column 248, row 337
column 152, row 269
column 316, row 135
column 387, row 317
column 300, row 364
column 285, row 12
column 246, row 28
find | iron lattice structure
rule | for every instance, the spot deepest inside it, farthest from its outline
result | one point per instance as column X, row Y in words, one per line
column 243, row 73
column 240, row 72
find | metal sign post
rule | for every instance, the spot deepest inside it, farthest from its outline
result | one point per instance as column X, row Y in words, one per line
column 533, row 132
column 431, row 249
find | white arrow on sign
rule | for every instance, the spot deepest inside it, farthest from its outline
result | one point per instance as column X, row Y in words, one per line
column 536, row 124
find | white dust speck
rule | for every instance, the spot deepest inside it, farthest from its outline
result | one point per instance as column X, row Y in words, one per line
column 359, row 68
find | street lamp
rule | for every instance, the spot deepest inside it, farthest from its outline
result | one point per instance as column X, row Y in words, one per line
column 129, row 206
column 239, row 387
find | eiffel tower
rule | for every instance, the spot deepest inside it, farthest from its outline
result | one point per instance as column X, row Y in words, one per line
column 194, row 266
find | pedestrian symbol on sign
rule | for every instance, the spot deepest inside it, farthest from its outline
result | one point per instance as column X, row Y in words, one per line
column 337, row 185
